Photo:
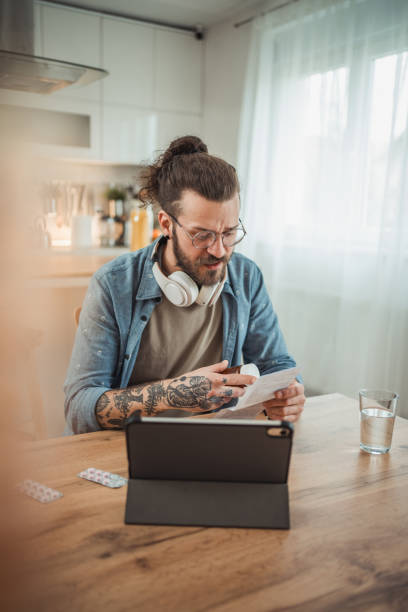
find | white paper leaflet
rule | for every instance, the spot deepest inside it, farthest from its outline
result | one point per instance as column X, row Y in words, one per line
column 250, row 404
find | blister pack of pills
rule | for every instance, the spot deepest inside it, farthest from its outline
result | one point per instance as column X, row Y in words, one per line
column 113, row 481
column 38, row 491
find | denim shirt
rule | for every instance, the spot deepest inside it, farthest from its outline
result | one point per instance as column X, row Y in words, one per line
column 119, row 302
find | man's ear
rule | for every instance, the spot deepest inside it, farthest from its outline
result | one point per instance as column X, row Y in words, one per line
column 165, row 223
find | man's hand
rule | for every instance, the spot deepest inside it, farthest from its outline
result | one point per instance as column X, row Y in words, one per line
column 219, row 387
column 287, row 404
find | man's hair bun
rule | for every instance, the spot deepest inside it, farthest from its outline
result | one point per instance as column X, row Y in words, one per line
column 187, row 145
column 186, row 166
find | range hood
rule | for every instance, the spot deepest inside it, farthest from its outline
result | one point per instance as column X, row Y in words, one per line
column 20, row 69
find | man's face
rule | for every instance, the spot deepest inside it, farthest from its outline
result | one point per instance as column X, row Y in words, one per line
column 204, row 266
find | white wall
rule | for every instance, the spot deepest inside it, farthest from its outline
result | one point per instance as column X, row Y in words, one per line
column 226, row 53
column 226, row 56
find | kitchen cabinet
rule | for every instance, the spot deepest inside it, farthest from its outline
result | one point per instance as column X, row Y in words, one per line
column 178, row 72
column 65, row 111
column 128, row 50
column 153, row 92
column 173, row 125
column 134, row 136
column 72, row 36
column 134, row 125
column 58, row 288
column 68, row 35
column 129, row 134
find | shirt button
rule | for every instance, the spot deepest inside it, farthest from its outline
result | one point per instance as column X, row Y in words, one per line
column 143, row 318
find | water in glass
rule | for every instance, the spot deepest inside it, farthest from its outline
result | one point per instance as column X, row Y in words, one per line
column 376, row 430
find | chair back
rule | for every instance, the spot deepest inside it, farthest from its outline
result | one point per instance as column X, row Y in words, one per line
column 77, row 312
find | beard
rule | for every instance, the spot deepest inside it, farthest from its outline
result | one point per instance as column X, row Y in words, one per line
column 199, row 275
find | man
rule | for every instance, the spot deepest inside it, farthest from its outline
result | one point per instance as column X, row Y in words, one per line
column 159, row 326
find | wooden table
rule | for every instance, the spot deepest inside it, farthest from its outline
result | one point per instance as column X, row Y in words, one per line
column 347, row 548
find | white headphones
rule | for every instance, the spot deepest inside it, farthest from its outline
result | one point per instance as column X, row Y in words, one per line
column 179, row 288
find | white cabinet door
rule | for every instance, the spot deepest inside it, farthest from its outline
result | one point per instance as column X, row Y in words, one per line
column 129, row 135
column 178, row 72
column 175, row 125
column 128, row 57
column 72, row 36
column 134, row 136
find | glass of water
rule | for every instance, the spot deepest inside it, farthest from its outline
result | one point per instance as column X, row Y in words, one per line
column 378, row 409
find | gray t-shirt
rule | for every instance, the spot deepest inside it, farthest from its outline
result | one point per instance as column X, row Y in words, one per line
column 178, row 340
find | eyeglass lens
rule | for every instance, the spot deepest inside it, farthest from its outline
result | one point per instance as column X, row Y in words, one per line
column 229, row 239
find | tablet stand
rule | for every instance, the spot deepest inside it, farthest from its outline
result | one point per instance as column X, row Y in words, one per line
column 211, row 504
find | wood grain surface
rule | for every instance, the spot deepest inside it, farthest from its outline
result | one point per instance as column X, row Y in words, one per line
column 347, row 548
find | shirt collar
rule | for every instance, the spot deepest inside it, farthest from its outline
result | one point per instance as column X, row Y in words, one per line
column 148, row 287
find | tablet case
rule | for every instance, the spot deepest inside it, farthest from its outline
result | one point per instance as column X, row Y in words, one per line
column 208, row 472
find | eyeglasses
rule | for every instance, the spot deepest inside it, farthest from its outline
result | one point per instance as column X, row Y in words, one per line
column 206, row 238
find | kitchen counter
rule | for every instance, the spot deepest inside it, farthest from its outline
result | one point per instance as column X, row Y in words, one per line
column 58, row 280
column 66, row 267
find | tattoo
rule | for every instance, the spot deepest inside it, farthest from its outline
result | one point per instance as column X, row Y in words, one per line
column 121, row 403
column 216, row 399
column 102, row 403
column 115, row 423
column 231, row 403
column 224, row 381
column 228, row 393
column 155, row 394
column 187, row 396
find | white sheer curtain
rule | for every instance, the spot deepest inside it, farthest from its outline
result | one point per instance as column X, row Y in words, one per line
column 324, row 168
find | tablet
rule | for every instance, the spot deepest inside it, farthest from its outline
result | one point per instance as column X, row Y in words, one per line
column 215, row 472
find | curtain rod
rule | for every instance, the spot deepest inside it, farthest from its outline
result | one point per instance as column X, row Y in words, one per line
column 263, row 13
column 196, row 30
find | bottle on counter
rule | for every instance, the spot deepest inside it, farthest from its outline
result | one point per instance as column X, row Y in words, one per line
column 111, row 232
column 127, row 236
column 116, row 212
column 116, row 196
column 107, row 231
column 141, row 225
column 98, row 228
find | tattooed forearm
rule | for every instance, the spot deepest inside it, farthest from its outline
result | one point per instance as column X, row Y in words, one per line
column 189, row 393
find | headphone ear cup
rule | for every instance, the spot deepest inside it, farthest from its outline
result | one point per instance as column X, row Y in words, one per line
column 217, row 293
column 185, row 285
column 209, row 294
column 206, row 294
column 178, row 288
